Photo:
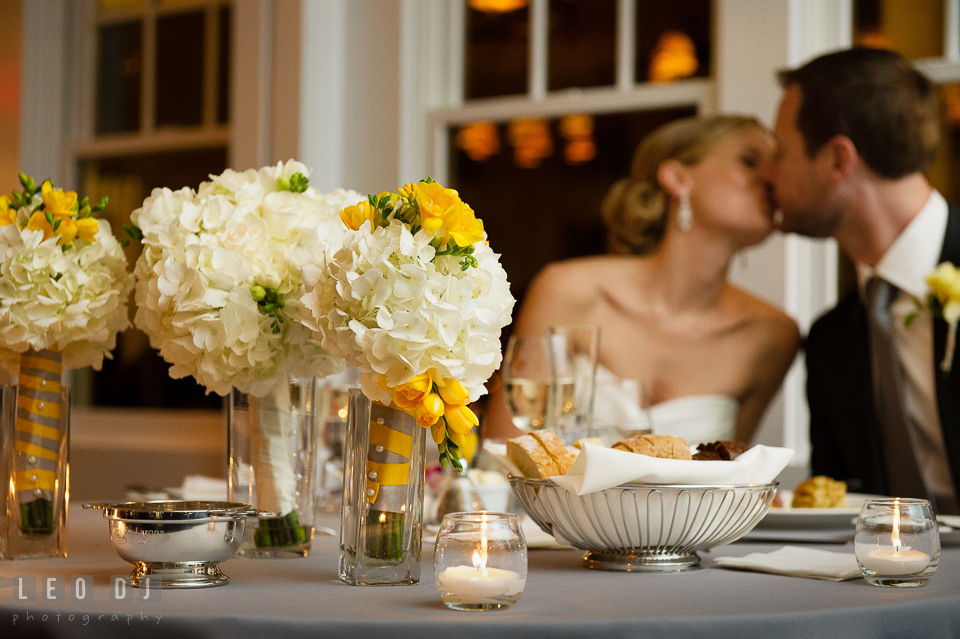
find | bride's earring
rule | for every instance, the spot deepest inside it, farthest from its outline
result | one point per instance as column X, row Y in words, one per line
column 685, row 213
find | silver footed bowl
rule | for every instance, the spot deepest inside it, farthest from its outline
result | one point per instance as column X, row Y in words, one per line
column 176, row 544
column 645, row 527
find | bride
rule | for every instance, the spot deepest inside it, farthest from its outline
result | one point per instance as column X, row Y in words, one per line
column 669, row 318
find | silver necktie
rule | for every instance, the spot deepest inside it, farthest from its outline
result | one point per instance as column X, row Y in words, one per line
column 900, row 455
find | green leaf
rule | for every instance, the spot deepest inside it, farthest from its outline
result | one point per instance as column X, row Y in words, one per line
column 49, row 217
column 100, row 205
column 133, row 231
column 909, row 319
column 299, row 182
column 428, row 180
column 124, row 243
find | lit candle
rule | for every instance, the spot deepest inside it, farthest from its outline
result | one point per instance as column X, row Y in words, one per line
column 478, row 584
column 895, row 560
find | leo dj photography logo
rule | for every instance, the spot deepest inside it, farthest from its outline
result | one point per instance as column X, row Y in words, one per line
column 29, row 590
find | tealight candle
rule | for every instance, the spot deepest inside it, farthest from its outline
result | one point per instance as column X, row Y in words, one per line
column 481, row 560
column 893, row 561
column 897, row 542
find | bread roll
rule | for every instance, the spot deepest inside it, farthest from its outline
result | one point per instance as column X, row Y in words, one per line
column 663, row 446
column 820, row 492
column 540, row 454
column 720, row 451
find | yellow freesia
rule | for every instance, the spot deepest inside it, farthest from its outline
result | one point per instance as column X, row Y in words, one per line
column 429, row 410
column 87, row 229
column 67, row 230
column 437, row 205
column 945, row 284
column 464, row 229
column 439, row 431
column 38, row 222
column 460, row 419
column 7, row 215
column 453, row 392
column 354, row 216
column 58, row 202
column 459, row 439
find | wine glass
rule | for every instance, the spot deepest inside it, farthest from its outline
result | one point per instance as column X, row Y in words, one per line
column 534, row 395
column 576, row 353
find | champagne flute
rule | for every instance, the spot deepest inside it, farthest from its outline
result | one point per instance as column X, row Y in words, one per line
column 576, row 354
column 534, row 394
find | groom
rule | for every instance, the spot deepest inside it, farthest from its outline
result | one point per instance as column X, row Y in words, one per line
column 856, row 131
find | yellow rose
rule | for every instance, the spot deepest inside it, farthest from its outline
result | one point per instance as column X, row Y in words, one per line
column 354, row 216
column 57, row 201
column 460, row 419
column 945, row 283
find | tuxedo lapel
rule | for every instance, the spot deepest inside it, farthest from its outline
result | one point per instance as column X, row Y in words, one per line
column 948, row 387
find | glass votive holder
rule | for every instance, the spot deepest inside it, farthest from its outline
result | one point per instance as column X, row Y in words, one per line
column 480, row 561
column 897, row 542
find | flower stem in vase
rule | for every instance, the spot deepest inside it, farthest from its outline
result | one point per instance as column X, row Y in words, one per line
column 38, row 439
column 385, row 535
column 276, row 481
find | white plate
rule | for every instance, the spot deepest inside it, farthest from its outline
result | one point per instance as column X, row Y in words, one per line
column 807, row 518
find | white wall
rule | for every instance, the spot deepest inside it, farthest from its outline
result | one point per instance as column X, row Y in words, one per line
column 349, row 107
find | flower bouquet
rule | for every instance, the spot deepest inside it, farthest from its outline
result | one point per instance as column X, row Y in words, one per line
column 63, row 298
column 217, row 293
column 416, row 300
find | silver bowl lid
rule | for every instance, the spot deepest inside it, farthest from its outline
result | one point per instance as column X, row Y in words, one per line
column 176, row 510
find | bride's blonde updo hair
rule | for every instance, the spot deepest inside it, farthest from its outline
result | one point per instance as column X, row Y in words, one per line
column 635, row 208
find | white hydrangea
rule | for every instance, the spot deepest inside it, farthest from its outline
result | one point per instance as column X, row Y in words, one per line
column 203, row 254
column 389, row 307
column 72, row 300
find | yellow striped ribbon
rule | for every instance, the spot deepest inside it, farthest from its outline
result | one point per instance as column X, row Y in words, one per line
column 38, row 418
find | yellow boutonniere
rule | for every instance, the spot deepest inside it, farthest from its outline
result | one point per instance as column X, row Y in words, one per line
column 943, row 301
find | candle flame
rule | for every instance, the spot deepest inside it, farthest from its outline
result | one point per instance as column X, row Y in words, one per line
column 480, row 558
column 895, row 535
column 383, row 518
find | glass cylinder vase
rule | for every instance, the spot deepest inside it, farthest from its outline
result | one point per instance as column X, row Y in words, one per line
column 34, row 468
column 381, row 516
column 271, row 442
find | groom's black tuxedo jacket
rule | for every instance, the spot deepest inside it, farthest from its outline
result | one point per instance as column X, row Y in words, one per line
column 843, row 429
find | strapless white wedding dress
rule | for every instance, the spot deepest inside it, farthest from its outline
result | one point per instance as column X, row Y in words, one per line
column 618, row 408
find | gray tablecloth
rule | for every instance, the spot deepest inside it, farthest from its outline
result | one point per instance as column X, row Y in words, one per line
column 302, row 598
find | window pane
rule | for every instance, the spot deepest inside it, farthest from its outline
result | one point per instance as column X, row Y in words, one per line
column 118, row 77
column 914, row 28
column 582, row 42
column 550, row 210
column 179, row 97
column 106, row 7
column 673, row 40
column 943, row 173
column 137, row 376
column 497, row 49
column 223, row 67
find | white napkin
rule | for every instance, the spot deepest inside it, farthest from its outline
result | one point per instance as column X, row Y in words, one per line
column 795, row 561
column 200, row 488
column 535, row 537
column 598, row 468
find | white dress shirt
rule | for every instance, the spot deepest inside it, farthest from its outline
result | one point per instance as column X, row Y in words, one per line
column 906, row 264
